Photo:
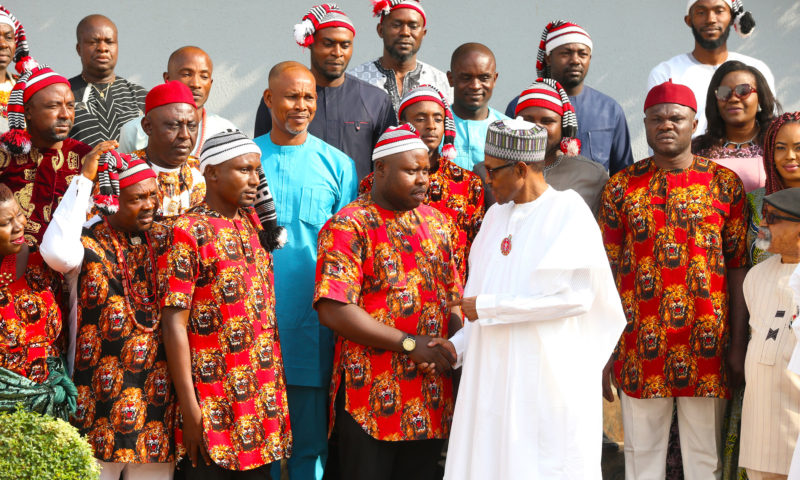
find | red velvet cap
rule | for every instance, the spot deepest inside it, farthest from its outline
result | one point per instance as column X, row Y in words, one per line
column 166, row 93
column 669, row 92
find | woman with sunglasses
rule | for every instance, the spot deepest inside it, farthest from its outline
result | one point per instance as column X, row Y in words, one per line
column 739, row 107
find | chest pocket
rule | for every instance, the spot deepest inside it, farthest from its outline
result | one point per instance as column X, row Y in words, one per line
column 600, row 145
column 357, row 128
column 776, row 335
column 316, row 205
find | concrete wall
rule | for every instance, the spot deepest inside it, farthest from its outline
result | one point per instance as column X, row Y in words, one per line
column 245, row 38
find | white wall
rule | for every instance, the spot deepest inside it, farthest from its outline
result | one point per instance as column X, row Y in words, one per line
column 245, row 38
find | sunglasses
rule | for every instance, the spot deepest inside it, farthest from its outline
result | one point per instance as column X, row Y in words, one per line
column 771, row 219
column 490, row 171
column 742, row 91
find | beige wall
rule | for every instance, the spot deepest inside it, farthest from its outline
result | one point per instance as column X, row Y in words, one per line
column 245, row 38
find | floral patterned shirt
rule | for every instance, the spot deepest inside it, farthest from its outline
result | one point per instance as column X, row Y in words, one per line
column 457, row 193
column 179, row 189
column 671, row 236
column 39, row 180
column 399, row 268
column 31, row 320
column 126, row 405
column 217, row 269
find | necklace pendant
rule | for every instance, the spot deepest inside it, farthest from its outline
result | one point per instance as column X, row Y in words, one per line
column 505, row 245
column 136, row 241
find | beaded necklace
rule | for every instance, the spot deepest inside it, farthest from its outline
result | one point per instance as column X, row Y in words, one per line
column 127, row 286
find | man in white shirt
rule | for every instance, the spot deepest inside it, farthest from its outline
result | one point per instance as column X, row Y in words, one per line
column 192, row 67
column 543, row 314
column 771, row 408
column 710, row 22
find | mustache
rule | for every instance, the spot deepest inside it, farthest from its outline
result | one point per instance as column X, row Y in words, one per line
column 764, row 239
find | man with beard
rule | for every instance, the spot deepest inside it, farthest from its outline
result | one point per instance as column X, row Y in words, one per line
column 103, row 101
column 473, row 74
column 564, row 55
column 119, row 364
column 452, row 190
column 674, row 230
column 402, row 27
column 192, row 67
column 38, row 158
column 219, row 325
column 309, row 181
column 385, row 273
column 351, row 114
column 770, row 424
column 546, row 104
column 170, row 122
column 710, row 22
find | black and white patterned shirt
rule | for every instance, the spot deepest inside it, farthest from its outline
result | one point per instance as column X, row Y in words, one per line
column 376, row 74
column 102, row 109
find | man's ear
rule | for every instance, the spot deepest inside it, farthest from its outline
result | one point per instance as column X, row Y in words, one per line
column 165, row 76
column 694, row 125
column 379, row 29
column 147, row 126
column 268, row 98
column 688, row 21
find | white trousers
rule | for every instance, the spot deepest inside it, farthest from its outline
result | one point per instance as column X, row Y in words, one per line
column 647, row 423
column 136, row 471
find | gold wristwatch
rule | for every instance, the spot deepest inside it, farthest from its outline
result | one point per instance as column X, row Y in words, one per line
column 409, row 343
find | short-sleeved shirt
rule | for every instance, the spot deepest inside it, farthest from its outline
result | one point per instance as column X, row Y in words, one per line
column 399, row 268
column 671, row 236
column 457, row 193
column 217, row 269
column 102, row 109
column 126, row 406
column 31, row 320
column 39, row 179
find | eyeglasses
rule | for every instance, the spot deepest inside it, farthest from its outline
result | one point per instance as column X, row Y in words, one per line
column 742, row 91
column 771, row 219
column 490, row 171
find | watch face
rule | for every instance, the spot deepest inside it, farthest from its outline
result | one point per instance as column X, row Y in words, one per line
column 409, row 343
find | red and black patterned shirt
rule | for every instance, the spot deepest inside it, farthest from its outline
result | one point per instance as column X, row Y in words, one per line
column 457, row 193
column 671, row 236
column 217, row 269
column 31, row 320
column 398, row 267
column 126, row 405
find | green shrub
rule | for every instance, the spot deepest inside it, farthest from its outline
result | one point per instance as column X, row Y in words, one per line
column 39, row 447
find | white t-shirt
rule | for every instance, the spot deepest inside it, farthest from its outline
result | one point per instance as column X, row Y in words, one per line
column 686, row 70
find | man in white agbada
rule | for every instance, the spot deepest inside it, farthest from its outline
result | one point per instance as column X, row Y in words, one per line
column 771, row 407
column 544, row 315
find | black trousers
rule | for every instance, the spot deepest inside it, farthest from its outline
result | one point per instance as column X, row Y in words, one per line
column 362, row 457
column 185, row 471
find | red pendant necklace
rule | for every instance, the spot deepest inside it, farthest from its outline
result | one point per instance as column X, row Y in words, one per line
column 130, row 292
column 505, row 245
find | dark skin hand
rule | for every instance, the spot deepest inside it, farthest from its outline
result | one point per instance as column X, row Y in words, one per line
column 176, row 341
column 608, row 380
column 355, row 324
column 468, row 307
column 92, row 159
column 739, row 321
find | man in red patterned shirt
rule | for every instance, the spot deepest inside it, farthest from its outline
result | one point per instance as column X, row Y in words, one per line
column 674, row 229
column 456, row 192
column 219, row 325
column 385, row 274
